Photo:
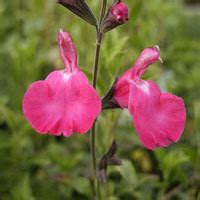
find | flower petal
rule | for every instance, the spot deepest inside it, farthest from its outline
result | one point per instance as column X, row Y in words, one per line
column 147, row 57
column 68, row 51
column 121, row 94
column 42, row 111
column 85, row 103
column 63, row 103
column 159, row 117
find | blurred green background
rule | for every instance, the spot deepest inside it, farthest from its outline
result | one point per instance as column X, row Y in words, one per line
column 36, row 167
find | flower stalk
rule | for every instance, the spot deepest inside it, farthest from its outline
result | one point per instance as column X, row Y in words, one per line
column 99, row 37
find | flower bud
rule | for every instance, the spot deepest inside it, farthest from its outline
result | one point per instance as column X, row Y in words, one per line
column 110, row 158
column 120, row 12
column 80, row 8
column 116, row 15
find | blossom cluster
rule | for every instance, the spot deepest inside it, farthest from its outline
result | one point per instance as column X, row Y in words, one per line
column 66, row 103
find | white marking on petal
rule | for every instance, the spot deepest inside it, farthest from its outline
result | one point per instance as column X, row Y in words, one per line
column 144, row 86
column 66, row 75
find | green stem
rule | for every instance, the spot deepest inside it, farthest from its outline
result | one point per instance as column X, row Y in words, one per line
column 96, row 62
column 93, row 131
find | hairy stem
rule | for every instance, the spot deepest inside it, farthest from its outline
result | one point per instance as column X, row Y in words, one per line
column 93, row 131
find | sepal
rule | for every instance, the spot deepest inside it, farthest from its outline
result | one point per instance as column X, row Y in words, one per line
column 109, row 102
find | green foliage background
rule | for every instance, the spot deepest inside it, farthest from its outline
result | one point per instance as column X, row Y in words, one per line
column 35, row 167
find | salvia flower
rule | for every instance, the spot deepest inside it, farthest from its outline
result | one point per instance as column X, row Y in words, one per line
column 116, row 15
column 80, row 8
column 64, row 102
column 159, row 117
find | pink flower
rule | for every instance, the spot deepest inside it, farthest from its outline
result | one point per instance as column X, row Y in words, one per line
column 120, row 12
column 159, row 117
column 64, row 102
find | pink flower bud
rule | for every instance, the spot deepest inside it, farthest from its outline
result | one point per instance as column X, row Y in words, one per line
column 120, row 12
column 116, row 15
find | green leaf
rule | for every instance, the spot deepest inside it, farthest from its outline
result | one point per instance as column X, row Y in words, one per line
column 128, row 172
